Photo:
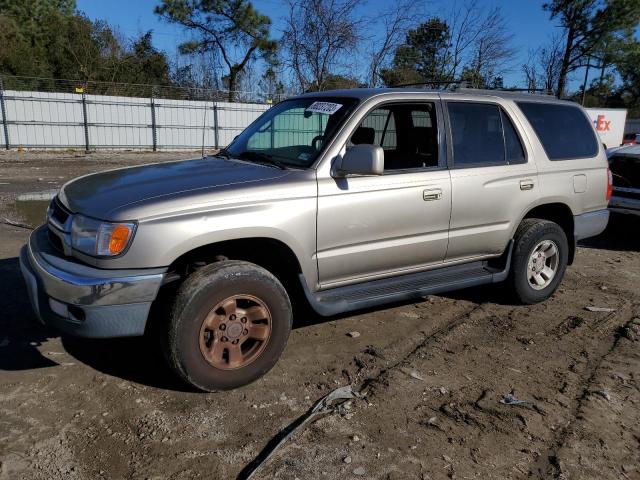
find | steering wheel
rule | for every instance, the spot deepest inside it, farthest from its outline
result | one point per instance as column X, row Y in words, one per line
column 316, row 139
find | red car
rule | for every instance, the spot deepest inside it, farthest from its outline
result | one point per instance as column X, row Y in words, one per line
column 631, row 139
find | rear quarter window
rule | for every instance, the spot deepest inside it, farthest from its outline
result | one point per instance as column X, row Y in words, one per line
column 563, row 130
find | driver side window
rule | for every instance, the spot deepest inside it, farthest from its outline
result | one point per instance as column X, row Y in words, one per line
column 407, row 134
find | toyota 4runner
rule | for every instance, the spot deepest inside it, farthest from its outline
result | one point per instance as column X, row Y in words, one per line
column 351, row 198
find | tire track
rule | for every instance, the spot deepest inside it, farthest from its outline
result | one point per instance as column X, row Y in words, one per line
column 550, row 465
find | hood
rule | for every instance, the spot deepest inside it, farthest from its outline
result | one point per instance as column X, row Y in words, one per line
column 99, row 195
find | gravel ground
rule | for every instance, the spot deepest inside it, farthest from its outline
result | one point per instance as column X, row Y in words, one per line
column 435, row 377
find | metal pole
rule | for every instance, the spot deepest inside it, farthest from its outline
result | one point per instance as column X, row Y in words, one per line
column 215, row 125
column 84, row 121
column 204, row 126
column 4, row 116
column 154, row 134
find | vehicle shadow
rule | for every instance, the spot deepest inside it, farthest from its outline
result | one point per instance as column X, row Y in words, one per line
column 622, row 234
column 20, row 331
column 135, row 359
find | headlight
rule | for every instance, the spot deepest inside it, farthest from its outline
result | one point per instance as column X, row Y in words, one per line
column 98, row 238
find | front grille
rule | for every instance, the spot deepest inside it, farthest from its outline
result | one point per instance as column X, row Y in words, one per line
column 58, row 213
column 55, row 241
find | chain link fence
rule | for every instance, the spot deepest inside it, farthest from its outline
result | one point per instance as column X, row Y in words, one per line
column 42, row 113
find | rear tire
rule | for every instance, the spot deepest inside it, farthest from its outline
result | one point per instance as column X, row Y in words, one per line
column 539, row 260
column 229, row 324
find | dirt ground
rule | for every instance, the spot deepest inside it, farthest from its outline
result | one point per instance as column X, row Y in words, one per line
column 434, row 375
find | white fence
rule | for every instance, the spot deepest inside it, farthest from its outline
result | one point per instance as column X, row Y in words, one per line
column 42, row 120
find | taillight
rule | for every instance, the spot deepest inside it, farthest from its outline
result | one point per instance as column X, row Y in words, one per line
column 609, row 184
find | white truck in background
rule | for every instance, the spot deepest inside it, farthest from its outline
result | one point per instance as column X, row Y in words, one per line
column 609, row 123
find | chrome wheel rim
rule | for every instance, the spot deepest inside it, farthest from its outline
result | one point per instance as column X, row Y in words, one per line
column 235, row 332
column 543, row 264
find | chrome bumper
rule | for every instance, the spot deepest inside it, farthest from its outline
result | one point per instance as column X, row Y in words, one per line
column 83, row 300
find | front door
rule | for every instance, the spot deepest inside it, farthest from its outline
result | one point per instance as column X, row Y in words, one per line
column 398, row 222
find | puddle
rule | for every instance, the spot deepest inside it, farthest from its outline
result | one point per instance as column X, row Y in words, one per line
column 31, row 208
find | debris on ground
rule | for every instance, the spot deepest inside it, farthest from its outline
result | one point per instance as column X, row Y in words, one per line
column 13, row 223
column 327, row 404
column 412, row 373
column 353, row 334
column 604, row 394
column 600, row 309
column 510, row 399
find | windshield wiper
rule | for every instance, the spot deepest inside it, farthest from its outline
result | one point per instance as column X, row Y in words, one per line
column 262, row 158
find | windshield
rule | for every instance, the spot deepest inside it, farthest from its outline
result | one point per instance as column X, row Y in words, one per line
column 293, row 132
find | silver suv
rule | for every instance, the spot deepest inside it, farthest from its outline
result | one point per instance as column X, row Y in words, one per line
column 343, row 199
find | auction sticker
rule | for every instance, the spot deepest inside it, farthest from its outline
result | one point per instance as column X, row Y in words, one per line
column 323, row 107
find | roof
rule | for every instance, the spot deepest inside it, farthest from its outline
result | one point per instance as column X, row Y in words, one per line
column 363, row 93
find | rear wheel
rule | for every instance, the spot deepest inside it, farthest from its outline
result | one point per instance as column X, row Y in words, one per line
column 228, row 326
column 539, row 260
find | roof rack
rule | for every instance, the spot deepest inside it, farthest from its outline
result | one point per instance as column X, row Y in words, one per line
column 430, row 84
column 464, row 85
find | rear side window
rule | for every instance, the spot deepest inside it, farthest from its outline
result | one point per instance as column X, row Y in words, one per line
column 563, row 130
column 512, row 144
column 483, row 135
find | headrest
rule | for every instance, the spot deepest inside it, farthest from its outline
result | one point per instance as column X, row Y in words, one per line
column 363, row 135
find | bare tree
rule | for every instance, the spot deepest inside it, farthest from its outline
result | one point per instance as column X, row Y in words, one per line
column 530, row 71
column 492, row 51
column 543, row 66
column 399, row 18
column 318, row 34
column 480, row 41
column 550, row 61
column 464, row 26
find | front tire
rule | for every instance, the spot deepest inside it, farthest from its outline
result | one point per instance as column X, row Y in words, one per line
column 539, row 260
column 228, row 326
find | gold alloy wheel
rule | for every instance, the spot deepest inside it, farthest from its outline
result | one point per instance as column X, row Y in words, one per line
column 235, row 332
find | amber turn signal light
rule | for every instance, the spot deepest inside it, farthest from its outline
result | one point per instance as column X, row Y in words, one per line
column 119, row 238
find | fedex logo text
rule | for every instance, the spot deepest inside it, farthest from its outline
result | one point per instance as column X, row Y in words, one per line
column 601, row 124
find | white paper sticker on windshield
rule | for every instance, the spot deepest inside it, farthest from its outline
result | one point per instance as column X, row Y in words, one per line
column 324, row 107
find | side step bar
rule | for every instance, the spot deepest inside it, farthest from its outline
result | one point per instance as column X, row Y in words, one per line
column 405, row 287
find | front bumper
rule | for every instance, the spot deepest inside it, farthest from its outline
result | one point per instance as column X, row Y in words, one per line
column 82, row 300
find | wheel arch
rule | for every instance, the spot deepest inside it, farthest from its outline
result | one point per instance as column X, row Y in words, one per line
column 561, row 214
column 270, row 253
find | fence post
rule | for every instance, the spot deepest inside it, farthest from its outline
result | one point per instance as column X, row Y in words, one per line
column 154, row 133
column 4, row 116
column 215, row 125
column 84, row 121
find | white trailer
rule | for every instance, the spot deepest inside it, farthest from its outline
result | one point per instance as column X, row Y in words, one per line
column 609, row 123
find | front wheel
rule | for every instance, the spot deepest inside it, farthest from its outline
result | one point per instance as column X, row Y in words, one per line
column 539, row 260
column 229, row 325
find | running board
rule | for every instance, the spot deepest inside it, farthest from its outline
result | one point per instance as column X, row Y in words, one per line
column 406, row 287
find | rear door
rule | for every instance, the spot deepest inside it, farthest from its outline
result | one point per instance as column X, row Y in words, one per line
column 493, row 179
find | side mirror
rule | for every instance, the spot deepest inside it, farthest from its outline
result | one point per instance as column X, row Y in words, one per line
column 363, row 159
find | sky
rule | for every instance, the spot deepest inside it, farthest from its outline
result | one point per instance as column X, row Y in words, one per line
column 529, row 24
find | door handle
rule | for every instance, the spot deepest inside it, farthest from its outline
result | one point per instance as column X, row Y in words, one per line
column 432, row 194
column 526, row 184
